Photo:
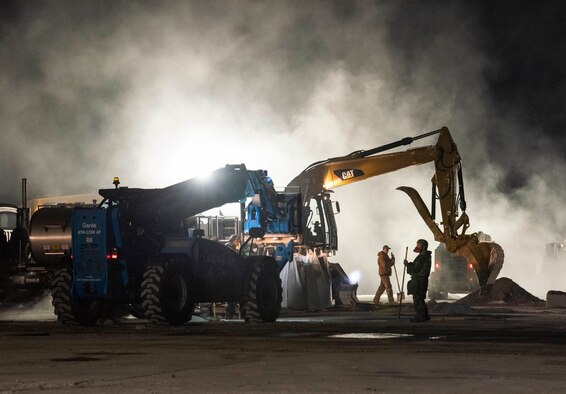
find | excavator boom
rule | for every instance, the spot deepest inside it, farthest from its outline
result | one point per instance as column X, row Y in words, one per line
column 360, row 165
column 349, row 170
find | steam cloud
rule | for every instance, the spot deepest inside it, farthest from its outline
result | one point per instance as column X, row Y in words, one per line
column 158, row 92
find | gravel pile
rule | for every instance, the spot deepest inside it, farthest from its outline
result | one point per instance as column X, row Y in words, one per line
column 503, row 292
column 450, row 309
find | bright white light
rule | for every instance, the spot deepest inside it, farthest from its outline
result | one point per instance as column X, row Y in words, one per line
column 204, row 176
column 230, row 209
column 355, row 276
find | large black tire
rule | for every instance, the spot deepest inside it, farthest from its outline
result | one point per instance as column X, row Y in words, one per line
column 67, row 310
column 263, row 293
column 165, row 294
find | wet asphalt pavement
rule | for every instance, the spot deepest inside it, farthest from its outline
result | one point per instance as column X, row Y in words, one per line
column 462, row 349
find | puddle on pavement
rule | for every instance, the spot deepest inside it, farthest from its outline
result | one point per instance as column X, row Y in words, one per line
column 365, row 335
column 301, row 320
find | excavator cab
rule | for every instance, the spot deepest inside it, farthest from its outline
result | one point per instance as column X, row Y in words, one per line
column 319, row 223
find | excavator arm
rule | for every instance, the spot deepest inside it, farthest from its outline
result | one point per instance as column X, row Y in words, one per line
column 485, row 257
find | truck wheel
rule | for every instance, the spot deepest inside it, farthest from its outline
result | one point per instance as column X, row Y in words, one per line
column 263, row 293
column 69, row 311
column 166, row 295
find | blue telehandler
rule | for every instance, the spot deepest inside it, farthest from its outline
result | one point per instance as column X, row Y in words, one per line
column 133, row 248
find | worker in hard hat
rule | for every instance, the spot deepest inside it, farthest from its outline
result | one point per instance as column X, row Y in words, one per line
column 234, row 244
column 384, row 263
column 419, row 270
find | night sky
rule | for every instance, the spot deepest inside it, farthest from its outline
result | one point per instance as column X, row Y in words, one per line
column 527, row 43
column 156, row 92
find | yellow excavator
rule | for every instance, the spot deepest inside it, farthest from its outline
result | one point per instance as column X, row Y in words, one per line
column 319, row 178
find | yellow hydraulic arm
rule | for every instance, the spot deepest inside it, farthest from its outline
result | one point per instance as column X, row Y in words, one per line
column 485, row 257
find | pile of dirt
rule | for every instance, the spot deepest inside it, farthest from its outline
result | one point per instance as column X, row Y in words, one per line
column 503, row 292
column 450, row 309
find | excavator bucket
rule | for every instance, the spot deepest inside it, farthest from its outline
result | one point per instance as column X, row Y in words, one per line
column 487, row 260
column 485, row 257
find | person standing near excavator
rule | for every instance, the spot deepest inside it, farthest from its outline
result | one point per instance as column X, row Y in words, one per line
column 418, row 285
column 384, row 263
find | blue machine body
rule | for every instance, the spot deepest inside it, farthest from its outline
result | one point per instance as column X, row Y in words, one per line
column 273, row 211
column 95, row 242
column 89, row 245
column 284, row 254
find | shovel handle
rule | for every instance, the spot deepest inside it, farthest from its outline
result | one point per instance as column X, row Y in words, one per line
column 403, row 283
column 404, row 268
